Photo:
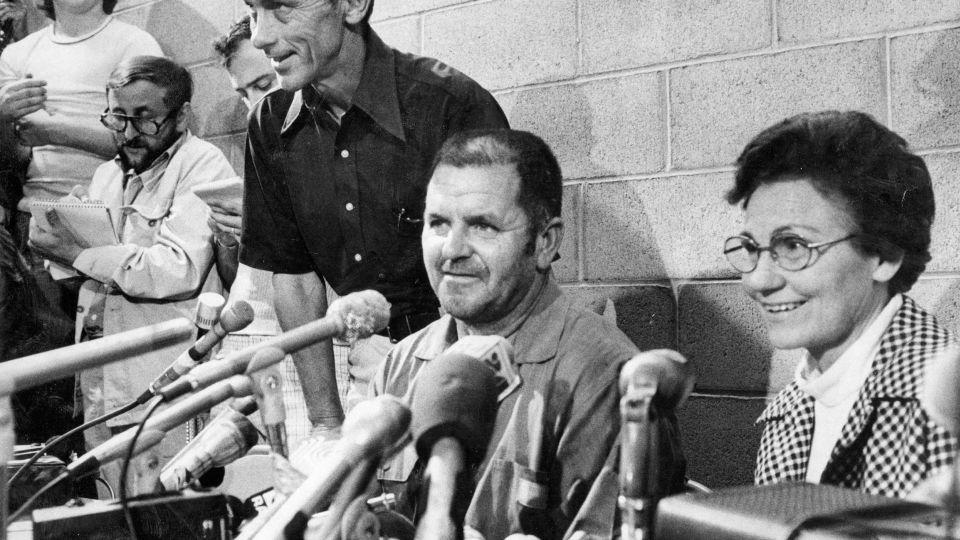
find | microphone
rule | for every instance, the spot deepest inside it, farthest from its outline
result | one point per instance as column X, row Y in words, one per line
column 175, row 414
column 351, row 317
column 227, row 438
column 650, row 383
column 267, row 389
column 940, row 398
column 454, row 406
column 30, row 371
column 237, row 317
column 373, row 428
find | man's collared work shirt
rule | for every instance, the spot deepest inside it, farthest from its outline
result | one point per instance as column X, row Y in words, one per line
column 346, row 200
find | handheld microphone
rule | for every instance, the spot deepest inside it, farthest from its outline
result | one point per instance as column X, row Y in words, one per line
column 651, row 382
column 454, row 406
column 352, row 316
column 175, row 414
column 267, row 389
column 227, row 438
column 63, row 362
column 237, row 317
column 371, row 429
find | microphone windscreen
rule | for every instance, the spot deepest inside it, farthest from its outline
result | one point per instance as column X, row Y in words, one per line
column 237, row 316
column 940, row 395
column 454, row 395
column 664, row 369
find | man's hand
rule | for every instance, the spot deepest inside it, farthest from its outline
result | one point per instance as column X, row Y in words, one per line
column 56, row 243
column 13, row 11
column 21, row 97
column 39, row 128
column 224, row 223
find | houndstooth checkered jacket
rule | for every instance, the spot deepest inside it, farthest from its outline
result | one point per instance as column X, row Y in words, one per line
column 888, row 444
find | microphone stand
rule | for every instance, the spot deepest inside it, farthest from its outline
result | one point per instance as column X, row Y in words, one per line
column 638, row 462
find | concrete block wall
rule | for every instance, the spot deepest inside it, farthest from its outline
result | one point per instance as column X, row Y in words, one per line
column 647, row 103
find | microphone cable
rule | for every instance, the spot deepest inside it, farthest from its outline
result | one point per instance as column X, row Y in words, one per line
column 125, row 469
column 60, row 438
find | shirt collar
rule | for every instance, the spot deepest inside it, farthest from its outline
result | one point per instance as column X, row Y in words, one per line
column 376, row 95
column 156, row 169
column 535, row 341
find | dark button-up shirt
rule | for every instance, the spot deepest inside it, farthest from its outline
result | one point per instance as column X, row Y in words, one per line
column 550, row 468
column 346, row 199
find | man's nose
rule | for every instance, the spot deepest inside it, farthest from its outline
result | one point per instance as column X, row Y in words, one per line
column 262, row 31
column 456, row 245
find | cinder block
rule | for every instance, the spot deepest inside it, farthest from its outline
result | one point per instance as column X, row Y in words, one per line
column 813, row 20
column 216, row 106
column 599, row 128
column 401, row 34
column 718, row 107
column 624, row 34
column 925, row 76
column 661, row 228
column 645, row 313
column 945, row 245
column 386, row 9
column 233, row 147
column 568, row 267
column 941, row 297
column 506, row 43
column 721, row 332
column 720, row 439
column 185, row 31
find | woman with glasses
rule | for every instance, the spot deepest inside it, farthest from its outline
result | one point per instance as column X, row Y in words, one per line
column 837, row 216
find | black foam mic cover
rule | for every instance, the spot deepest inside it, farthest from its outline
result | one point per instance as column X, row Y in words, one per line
column 454, row 395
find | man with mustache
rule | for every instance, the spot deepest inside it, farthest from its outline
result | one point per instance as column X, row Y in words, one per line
column 492, row 229
column 164, row 255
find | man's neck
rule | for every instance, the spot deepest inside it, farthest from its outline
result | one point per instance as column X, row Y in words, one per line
column 511, row 323
column 77, row 24
column 342, row 86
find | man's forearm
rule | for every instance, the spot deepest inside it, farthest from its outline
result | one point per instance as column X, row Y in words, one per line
column 300, row 299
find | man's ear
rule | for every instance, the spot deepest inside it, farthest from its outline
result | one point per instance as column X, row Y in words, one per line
column 354, row 11
column 183, row 117
column 548, row 243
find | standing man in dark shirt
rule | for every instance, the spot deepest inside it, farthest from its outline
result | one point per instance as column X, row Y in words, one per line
column 336, row 169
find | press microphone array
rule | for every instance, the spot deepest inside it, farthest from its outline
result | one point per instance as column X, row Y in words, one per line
column 350, row 317
column 373, row 428
column 652, row 382
column 225, row 439
column 454, row 406
column 267, row 387
column 36, row 369
column 212, row 327
column 158, row 425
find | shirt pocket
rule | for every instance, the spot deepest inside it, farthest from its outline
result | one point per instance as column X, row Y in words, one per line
column 142, row 222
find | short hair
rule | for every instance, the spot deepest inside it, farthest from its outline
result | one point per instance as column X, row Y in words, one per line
column 228, row 44
column 48, row 7
column 163, row 72
column 541, row 183
column 850, row 157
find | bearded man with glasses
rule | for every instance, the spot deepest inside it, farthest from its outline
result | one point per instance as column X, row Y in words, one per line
column 164, row 255
column 837, row 228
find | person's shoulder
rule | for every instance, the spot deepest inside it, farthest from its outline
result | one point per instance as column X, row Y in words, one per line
column 129, row 33
column 587, row 334
column 18, row 49
column 438, row 76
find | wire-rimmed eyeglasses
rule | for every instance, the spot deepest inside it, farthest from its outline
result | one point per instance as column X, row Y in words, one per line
column 790, row 252
column 144, row 126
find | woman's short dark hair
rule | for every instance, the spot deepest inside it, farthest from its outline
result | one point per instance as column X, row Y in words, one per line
column 850, row 157
column 47, row 6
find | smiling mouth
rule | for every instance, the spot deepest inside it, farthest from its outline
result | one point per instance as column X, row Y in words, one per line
column 782, row 308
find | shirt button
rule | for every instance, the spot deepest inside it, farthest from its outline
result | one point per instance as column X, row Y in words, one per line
column 344, row 153
column 79, row 309
column 349, row 206
column 381, row 275
column 358, row 257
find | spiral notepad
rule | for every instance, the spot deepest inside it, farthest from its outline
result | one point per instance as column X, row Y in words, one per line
column 89, row 221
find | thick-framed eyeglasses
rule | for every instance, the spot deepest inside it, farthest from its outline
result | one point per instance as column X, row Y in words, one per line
column 144, row 126
column 790, row 252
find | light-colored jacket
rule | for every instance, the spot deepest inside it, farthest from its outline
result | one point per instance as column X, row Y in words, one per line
column 889, row 443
